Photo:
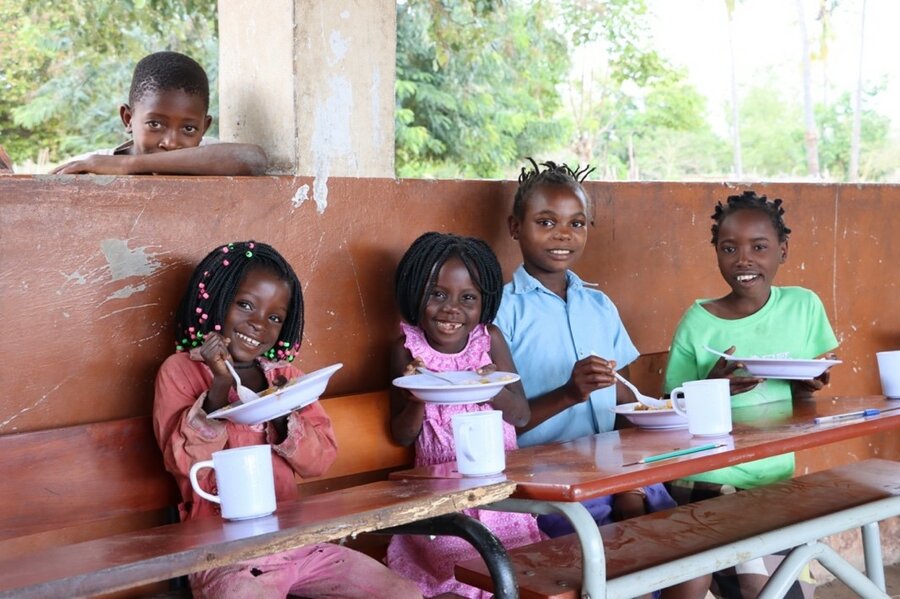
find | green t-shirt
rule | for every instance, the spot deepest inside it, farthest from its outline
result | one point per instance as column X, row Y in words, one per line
column 792, row 324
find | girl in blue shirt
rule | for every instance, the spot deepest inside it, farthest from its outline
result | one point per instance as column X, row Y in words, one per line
column 567, row 339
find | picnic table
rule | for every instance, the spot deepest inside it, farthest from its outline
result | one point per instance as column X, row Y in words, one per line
column 553, row 478
column 132, row 559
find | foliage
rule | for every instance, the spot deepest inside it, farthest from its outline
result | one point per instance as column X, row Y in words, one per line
column 476, row 85
column 67, row 66
column 836, row 122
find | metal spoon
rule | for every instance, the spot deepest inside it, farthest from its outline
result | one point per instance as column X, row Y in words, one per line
column 650, row 402
column 720, row 354
column 246, row 394
column 434, row 374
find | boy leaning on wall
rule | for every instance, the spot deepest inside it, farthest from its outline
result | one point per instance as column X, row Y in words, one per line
column 166, row 117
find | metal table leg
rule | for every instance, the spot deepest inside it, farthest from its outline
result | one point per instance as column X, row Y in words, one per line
column 593, row 559
column 479, row 536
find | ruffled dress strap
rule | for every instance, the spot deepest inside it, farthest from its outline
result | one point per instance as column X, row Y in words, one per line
column 474, row 355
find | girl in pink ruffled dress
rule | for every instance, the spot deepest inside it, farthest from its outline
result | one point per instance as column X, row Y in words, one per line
column 448, row 290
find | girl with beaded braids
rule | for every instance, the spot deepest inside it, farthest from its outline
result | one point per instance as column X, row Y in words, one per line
column 448, row 291
column 755, row 318
column 244, row 305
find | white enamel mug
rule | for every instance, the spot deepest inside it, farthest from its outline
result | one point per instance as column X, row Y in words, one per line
column 706, row 405
column 478, row 437
column 889, row 372
column 245, row 480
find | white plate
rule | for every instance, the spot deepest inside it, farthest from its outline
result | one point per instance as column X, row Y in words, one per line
column 469, row 387
column 785, row 368
column 656, row 420
column 298, row 393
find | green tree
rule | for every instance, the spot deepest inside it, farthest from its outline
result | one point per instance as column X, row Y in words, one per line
column 672, row 138
column 476, row 85
column 772, row 133
column 836, row 145
column 67, row 66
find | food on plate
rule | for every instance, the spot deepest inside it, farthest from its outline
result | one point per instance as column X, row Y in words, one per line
column 486, row 381
column 641, row 407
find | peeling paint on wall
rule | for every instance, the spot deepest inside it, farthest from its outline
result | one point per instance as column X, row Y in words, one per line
column 331, row 138
column 125, row 262
column 300, row 196
column 124, row 292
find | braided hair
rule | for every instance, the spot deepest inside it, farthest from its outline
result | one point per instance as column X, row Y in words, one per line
column 418, row 271
column 165, row 71
column 553, row 174
column 214, row 284
column 750, row 201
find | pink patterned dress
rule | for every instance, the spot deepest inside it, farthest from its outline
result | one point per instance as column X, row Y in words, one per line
column 429, row 562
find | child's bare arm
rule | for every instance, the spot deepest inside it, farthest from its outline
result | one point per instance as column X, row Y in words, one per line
column 511, row 399
column 588, row 375
column 213, row 159
column 407, row 412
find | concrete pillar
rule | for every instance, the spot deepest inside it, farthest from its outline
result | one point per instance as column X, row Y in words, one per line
column 311, row 81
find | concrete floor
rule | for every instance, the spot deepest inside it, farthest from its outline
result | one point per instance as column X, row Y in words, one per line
column 837, row 590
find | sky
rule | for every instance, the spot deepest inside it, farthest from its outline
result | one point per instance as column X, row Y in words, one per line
column 693, row 34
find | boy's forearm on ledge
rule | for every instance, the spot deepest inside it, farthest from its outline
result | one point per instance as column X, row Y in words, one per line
column 215, row 159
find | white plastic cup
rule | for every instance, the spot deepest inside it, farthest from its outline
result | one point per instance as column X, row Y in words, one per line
column 478, row 437
column 245, row 480
column 707, row 406
column 889, row 371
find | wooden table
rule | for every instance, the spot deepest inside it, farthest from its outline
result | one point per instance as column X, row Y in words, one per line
column 553, row 478
column 141, row 557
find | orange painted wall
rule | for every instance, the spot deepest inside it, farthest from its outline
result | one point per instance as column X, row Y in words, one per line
column 92, row 268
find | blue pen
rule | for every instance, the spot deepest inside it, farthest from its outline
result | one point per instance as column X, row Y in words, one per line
column 851, row 415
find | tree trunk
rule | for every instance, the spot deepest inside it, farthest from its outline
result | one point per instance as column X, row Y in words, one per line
column 735, row 109
column 811, row 135
column 853, row 172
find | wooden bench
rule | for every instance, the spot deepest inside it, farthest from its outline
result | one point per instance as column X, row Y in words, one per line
column 664, row 548
column 93, row 481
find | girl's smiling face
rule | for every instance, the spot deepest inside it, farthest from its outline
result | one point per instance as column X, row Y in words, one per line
column 749, row 253
column 552, row 232
column 452, row 309
column 257, row 313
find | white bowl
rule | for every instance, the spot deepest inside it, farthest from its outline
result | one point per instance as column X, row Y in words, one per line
column 298, row 393
column 468, row 386
column 661, row 419
column 785, row 368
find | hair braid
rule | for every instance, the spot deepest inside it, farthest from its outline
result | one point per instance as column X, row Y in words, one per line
column 215, row 282
column 553, row 174
column 750, row 201
column 418, row 270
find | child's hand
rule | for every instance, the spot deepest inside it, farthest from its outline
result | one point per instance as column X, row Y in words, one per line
column 410, row 368
column 805, row 389
column 215, row 353
column 589, row 374
column 97, row 165
column 724, row 369
column 486, row 369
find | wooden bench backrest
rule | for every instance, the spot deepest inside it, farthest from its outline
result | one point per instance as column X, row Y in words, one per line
column 78, row 482
column 81, row 482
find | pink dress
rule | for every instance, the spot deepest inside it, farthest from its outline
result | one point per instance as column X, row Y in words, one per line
column 429, row 562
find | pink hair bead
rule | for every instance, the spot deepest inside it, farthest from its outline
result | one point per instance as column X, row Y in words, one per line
column 225, row 262
column 218, row 327
column 204, row 316
column 225, row 250
column 205, row 296
column 199, row 310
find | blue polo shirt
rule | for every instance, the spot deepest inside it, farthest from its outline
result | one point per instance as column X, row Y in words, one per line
column 547, row 335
